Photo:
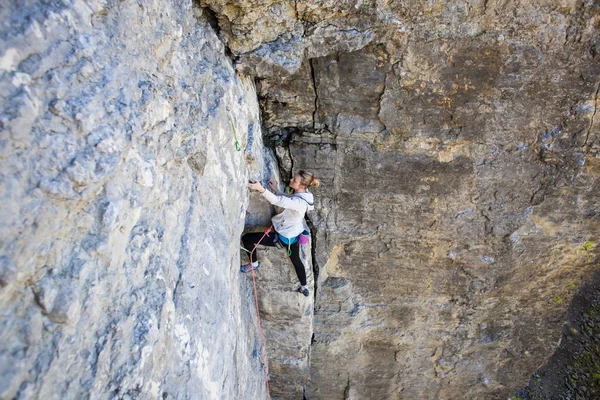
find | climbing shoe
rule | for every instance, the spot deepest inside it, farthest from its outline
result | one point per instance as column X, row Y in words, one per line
column 302, row 290
column 248, row 267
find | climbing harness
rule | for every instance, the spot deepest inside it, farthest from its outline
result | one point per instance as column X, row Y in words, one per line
column 262, row 340
column 237, row 143
column 283, row 240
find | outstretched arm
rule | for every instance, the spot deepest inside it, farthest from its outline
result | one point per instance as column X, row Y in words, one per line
column 294, row 203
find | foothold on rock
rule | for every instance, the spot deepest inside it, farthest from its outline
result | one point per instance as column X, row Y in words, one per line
column 335, row 282
column 110, row 218
column 57, row 300
column 8, row 270
column 197, row 162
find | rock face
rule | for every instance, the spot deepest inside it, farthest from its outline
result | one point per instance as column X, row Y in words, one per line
column 458, row 143
column 122, row 200
column 572, row 371
column 287, row 322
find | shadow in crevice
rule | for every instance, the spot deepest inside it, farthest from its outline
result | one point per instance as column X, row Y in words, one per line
column 573, row 371
column 205, row 14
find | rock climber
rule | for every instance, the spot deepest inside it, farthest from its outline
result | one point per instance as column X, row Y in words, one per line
column 288, row 224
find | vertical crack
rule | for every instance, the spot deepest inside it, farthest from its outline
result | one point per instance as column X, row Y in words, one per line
column 379, row 103
column 347, row 389
column 297, row 16
column 211, row 17
column 587, row 134
column 313, row 235
column 314, row 82
column 289, row 153
column 313, row 255
column 184, row 253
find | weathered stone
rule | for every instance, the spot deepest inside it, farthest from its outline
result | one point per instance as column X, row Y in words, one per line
column 123, row 196
column 287, row 320
column 57, row 299
column 455, row 145
column 575, row 361
column 8, row 270
column 246, row 24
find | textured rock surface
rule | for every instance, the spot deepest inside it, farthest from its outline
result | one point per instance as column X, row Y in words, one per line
column 287, row 318
column 458, row 143
column 573, row 371
column 122, row 198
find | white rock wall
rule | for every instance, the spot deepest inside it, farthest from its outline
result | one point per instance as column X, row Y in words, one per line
column 122, row 199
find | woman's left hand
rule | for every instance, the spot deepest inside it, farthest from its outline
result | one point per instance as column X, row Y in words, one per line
column 272, row 186
column 255, row 185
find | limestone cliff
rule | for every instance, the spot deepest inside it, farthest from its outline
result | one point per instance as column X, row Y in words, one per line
column 459, row 147
column 122, row 200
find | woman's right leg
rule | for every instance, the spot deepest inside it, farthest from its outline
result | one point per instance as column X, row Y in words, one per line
column 251, row 239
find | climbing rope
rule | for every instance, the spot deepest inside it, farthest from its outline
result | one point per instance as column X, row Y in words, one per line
column 260, row 335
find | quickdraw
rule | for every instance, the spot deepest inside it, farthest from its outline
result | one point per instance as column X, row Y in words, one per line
column 237, row 142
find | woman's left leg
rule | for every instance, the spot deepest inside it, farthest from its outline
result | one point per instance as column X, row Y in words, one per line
column 298, row 265
column 250, row 240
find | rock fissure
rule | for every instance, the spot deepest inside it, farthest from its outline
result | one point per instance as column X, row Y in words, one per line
column 211, row 17
column 297, row 14
column 379, row 104
column 485, row 4
column 183, row 250
column 316, row 93
column 591, row 124
column 313, row 255
column 535, row 200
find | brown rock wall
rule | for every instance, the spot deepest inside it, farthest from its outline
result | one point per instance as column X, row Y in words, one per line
column 457, row 143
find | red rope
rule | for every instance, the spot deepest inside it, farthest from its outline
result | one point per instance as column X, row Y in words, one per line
column 262, row 340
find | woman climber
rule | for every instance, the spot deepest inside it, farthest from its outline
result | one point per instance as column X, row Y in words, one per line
column 288, row 224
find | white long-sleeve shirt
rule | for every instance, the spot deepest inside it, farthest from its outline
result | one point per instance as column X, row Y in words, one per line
column 290, row 222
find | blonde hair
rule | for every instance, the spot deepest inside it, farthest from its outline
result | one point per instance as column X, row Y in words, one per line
column 308, row 179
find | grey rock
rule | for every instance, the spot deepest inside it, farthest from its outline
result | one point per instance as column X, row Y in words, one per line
column 412, row 113
column 119, row 170
column 287, row 320
column 8, row 270
column 57, row 299
column 111, row 215
column 284, row 55
column 197, row 162
column 109, row 103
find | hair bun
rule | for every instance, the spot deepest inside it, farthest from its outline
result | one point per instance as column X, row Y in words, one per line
column 309, row 179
